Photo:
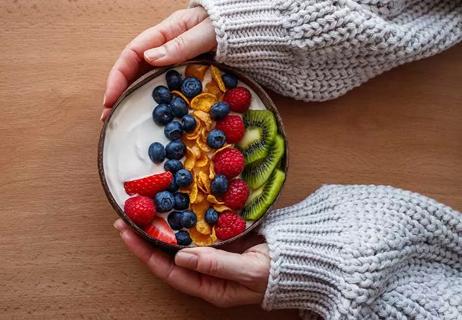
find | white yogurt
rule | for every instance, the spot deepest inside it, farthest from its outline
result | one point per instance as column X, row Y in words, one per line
column 131, row 131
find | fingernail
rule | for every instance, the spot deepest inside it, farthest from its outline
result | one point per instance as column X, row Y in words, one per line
column 119, row 224
column 155, row 54
column 186, row 259
column 104, row 100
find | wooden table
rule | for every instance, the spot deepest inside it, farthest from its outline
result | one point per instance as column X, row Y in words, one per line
column 61, row 258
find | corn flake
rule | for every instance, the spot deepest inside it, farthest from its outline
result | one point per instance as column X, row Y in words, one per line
column 181, row 95
column 212, row 199
column 216, row 76
column 196, row 70
column 203, row 227
column 201, row 239
column 203, row 102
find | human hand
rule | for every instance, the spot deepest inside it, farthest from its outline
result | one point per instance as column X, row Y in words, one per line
column 183, row 35
column 222, row 278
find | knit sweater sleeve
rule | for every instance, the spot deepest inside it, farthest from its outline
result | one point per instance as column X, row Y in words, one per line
column 318, row 50
column 366, row 252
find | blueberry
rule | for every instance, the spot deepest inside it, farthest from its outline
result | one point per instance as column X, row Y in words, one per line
column 162, row 114
column 191, row 87
column 173, row 165
column 183, row 178
column 175, row 150
column 161, row 94
column 181, row 201
column 174, row 220
column 211, row 216
column 183, row 238
column 188, row 123
column 188, row 219
column 156, row 152
column 179, row 107
column 230, row 80
column 219, row 185
column 173, row 130
column 172, row 187
column 216, row 139
column 219, row 110
column 173, row 79
column 164, row 201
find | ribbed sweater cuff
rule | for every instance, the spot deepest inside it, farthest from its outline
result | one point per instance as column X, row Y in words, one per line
column 305, row 244
column 246, row 30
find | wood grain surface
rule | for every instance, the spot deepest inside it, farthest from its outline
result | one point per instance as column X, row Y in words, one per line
column 61, row 258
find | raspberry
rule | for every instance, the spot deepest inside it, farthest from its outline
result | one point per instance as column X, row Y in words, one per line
column 149, row 186
column 238, row 99
column 237, row 194
column 140, row 210
column 229, row 162
column 233, row 127
column 229, row 224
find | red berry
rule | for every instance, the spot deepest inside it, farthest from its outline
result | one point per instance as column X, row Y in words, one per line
column 140, row 210
column 229, row 162
column 160, row 230
column 238, row 99
column 233, row 127
column 149, row 186
column 237, row 194
column 229, row 224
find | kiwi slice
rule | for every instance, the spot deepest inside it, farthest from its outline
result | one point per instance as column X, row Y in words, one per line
column 261, row 128
column 262, row 198
column 256, row 173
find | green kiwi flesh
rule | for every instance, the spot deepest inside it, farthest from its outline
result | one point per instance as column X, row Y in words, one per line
column 261, row 128
column 257, row 173
column 262, row 198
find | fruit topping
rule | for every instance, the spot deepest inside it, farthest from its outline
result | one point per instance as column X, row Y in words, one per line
column 229, row 225
column 164, row 201
column 211, row 216
column 173, row 165
column 188, row 219
column 191, row 87
column 237, row 194
column 216, row 139
column 173, row 130
column 219, row 185
column 174, row 220
column 230, row 80
column 188, row 123
column 149, row 186
column 233, row 127
column 183, row 238
column 156, row 152
column 256, row 173
column 140, row 210
column 261, row 129
column 173, row 79
column 160, row 230
column 183, row 178
column 262, row 198
column 229, row 162
column 175, row 150
column 181, row 201
column 161, row 94
column 219, row 110
column 178, row 106
column 162, row 114
column 238, row 98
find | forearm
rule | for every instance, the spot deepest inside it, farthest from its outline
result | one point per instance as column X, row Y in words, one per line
column 350, row 252
column 319, row 50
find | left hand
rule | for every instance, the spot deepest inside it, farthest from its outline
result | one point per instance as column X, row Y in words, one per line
column 222, row 278
column 185, row 34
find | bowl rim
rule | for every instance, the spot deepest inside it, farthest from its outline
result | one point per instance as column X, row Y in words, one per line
column 267, row 102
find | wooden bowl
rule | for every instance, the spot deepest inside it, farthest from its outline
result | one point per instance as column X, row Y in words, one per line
column 268, row 103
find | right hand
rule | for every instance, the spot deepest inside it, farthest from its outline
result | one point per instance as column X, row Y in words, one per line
column 183, row 35
column 222, row 278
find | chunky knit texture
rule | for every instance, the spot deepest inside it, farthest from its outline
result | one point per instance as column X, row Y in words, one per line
column 319, row 49
column 366, row 252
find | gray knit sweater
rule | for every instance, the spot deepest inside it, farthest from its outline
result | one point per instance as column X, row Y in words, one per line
column 319, row 49
column 349, row 252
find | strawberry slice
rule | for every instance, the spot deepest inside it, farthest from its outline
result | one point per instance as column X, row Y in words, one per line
column 160, row 230
column 149, row 186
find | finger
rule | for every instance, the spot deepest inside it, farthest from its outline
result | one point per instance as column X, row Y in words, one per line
column 197, row 40
column 245, row 269
column 131, row 60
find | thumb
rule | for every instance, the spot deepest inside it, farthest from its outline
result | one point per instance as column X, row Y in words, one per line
column 249, row 269
column 193, row 42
